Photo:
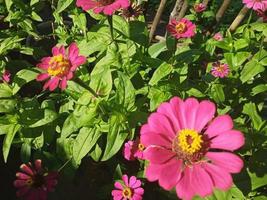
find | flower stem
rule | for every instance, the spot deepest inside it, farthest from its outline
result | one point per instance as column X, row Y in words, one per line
column 81, row 83
column 64, row 164
column 110, row 22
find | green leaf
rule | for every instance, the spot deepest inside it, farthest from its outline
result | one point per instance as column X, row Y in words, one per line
column 8, row 4
column 49, row 116
column 115, row 137
column 12, row 130
column 81, row 116
column 22, row 77
column 217, row 93
column 125, row 94
column 251, row 110
column 259, row 89
column 25, row 152
column 62, row 5
column 84, row 142
column 9, row 43
column 155, row 49
column 251, row 69
column 162, row 71
column 7, row 105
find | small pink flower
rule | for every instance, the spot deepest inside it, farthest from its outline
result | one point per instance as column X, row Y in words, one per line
column 6, row 76
column 190, row 149
column 256, row 4
column 218, row 36
column 220, row 70
column 181, row 29
column 60, row 67
column 34, row 182
column 262, row 14
column 133, row 150
column 108, row 7
column 129, row 190
column 200, row 7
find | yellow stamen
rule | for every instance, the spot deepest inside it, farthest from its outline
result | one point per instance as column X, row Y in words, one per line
column 180, row 27
column 127, row 193
column 141, row 147
column 190, row 141
column 58, row 66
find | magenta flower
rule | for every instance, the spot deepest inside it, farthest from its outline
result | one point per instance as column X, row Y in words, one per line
column 220, row 70
column 218, row 36
column 34, row 182
column 6, row 76
column 129, row 190
column 200, row 7
column 60, row 67
column 181, row 29
column 187, row 148
column 256, row 4
column 133, row 150
column 108, row 7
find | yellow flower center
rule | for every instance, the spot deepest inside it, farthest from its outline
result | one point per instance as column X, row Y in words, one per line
column 29, row 182
column 180, row 27
column 189, row 141
column 127, row 193
column 58, row 66
column 220, row 68
column 141, row 147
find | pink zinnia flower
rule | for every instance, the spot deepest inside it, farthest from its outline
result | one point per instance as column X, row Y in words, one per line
column 181, row 29
column 60, row 67
column 129, row 190
column 6, row 76
column 256, row 4
column 34, row 182
column 187, row 148
column 108, row 7
column 218, row 36
column 133, row 149
column 220, row 70
column 200, row 7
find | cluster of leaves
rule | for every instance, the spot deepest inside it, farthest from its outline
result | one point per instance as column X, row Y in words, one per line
column 130, row 78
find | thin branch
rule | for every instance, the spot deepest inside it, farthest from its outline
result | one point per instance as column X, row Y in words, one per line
column 183, row 10
column 157, row 19
column 222, row 9
column 241, row 15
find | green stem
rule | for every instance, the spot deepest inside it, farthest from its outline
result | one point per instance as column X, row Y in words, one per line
column 110, row 22
column 64, row 164
column 81, row 83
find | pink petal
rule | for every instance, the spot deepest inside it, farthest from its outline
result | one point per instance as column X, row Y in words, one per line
column 63, row 83
column 38, row 165
column 139, row 191
column 53, row 83
column 77, row 61
column 22, row 191
column 221, row 141
column 153, row 172
column 190, row 112
column 118, row 185
column 20, row 183
column 73, row 51
column 25, row 168
column 136, row 197
column 170, row 174
column 227, row 161
column 158, row 155
column 201, row 181
column 219, row 124
column 151, row 138
column 42, row 77
column 221, row 178
column 205, row 113
column 125, row 180
column 23, row 176
column 134, row 183
column 158, row 123
column 183, row 188
column 179, row 110
column 58, row 50
column 167, row 110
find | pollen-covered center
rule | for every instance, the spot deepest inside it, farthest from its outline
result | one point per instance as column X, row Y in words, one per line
column 105, row 2
column 127, row 193
column 220, row 68
column 181, row 27
column 58, row 66
column 189, row 141
column 190, row 146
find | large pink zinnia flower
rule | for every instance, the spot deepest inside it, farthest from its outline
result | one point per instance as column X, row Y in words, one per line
column 60, row 67
column 133, row 149
column 34, row 182
column 129, row 190
column 256, row 4
column 181, row 29
column 189, row 149
column 108, row 7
